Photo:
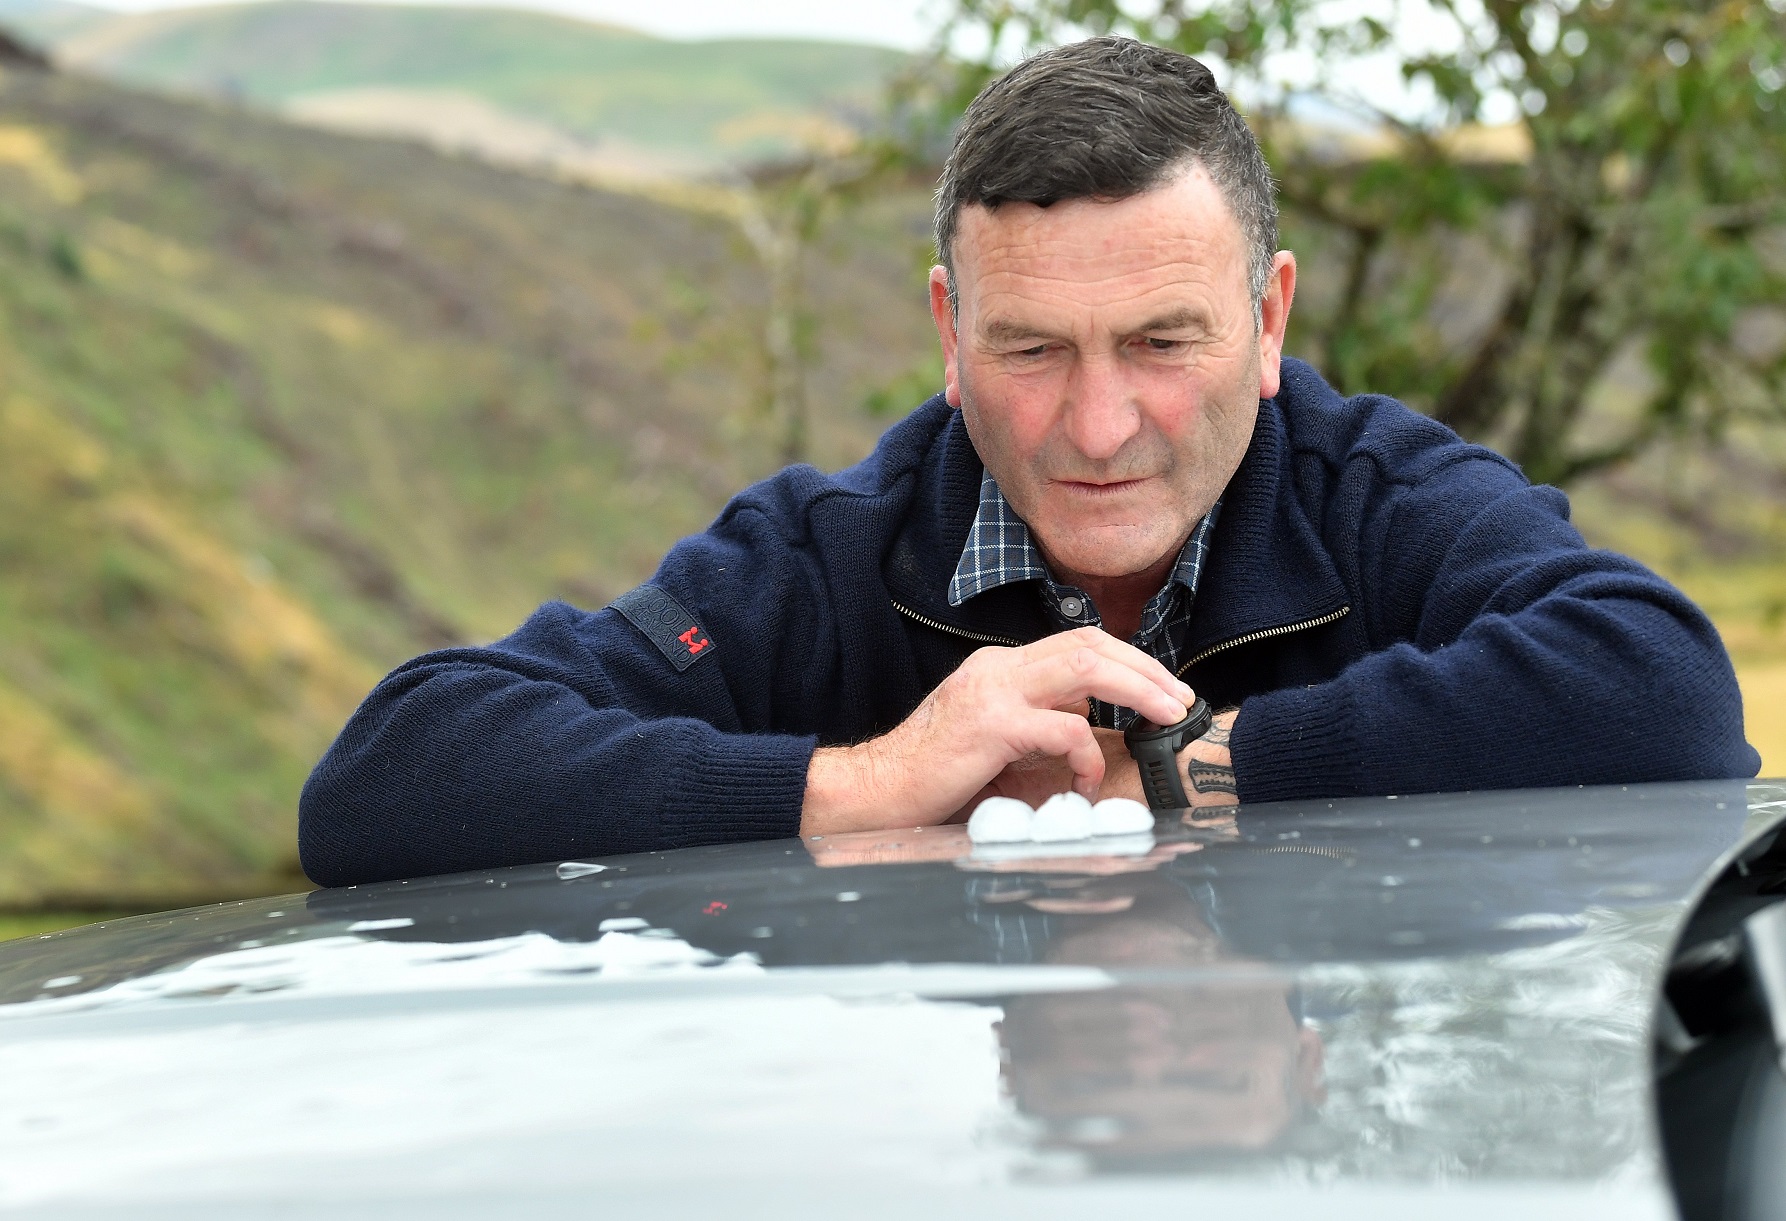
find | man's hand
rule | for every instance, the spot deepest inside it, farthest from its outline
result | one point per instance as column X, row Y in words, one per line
column 1000, row 707
column 1204, row 766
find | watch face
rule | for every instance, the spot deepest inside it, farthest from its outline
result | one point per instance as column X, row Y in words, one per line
column 1141, row 727
column 1196, row 723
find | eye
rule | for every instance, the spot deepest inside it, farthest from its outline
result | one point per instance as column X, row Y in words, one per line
column 1164, row 345
column 1038, row 350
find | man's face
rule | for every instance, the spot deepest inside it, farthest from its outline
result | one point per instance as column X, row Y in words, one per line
column 1107, row 365
column 1218, row 1064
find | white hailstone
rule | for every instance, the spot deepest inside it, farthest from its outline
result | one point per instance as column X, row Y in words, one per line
column 1063, row 816
column 1120, row 816
column 1000, row 820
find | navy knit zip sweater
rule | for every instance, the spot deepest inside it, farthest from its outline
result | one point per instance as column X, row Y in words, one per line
column 1393, row 610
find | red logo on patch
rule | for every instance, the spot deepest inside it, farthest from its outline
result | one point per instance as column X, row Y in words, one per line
column 695, row 645
column 713, row 908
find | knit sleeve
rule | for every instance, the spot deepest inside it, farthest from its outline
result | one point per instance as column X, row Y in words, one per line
column 1506, row 654
column 581, row 734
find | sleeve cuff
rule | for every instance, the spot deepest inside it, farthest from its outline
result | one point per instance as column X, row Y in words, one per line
column 1297, row 744
column 732, row 788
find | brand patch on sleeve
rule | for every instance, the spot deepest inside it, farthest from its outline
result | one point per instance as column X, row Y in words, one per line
column 672, row 629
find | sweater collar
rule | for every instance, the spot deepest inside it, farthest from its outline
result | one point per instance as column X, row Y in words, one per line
column 1266, row 568
column 1000, row 550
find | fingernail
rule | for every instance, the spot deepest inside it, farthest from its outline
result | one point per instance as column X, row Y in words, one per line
column 1186, row 694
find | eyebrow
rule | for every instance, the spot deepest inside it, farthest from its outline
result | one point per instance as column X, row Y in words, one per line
column 1186, row 318
column 1008, row 330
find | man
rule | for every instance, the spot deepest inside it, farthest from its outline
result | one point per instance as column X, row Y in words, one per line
column 1124, row 489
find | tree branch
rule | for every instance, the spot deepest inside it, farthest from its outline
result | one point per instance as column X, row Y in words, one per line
column 1365, row 243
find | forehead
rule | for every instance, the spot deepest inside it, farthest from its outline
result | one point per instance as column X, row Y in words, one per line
column 1178, row 235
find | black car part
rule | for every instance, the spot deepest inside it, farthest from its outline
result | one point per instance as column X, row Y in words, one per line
column 1719, row 1040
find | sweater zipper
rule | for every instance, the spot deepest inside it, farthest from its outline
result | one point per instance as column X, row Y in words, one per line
column 979, row 637
column 1264, row 634
column 1249, row 638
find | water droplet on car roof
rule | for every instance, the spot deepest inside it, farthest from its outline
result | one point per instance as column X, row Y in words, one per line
column 577, row 869
column 373, row 926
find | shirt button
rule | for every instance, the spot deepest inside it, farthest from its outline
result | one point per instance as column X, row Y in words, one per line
column 1072, row 608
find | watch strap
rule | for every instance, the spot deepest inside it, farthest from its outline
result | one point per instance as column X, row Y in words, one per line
column 1155, row 751
column 1160, row 781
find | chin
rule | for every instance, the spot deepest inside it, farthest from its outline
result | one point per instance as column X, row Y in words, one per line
column 1095, row 557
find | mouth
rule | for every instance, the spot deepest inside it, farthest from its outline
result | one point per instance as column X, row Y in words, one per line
column 1099, row 491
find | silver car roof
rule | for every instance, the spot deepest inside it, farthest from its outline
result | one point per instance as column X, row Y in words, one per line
column 1373, row 1007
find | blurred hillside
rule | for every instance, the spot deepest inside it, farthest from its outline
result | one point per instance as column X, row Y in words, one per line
column 42, row 22
column 531, row 85
column 279, row 409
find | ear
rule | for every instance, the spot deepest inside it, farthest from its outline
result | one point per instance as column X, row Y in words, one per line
column 1274, row 316
column 943, row 314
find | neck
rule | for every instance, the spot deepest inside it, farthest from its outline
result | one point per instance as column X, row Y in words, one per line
column 1119, row 599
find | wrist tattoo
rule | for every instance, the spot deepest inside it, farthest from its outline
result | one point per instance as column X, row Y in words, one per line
column 1213, row 778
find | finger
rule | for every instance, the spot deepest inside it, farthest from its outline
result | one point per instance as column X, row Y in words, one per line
column 1065, row 736
column 1087, row 673
column 1053, row 681
column 1116, row 650
column 1087, row 761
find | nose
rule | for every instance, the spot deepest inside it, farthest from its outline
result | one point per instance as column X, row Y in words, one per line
column 1101, row 411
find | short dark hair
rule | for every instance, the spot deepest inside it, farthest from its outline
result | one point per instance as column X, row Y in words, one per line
column 1107, row 118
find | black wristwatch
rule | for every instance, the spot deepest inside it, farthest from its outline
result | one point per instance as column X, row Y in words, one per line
column 1155, row 750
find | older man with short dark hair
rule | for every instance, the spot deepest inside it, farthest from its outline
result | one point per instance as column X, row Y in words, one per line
column 1126, row 497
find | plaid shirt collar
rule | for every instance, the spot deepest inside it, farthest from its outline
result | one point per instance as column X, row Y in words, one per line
column 1000, row 551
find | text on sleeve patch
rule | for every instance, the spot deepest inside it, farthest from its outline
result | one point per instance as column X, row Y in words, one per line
column 672, row 629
